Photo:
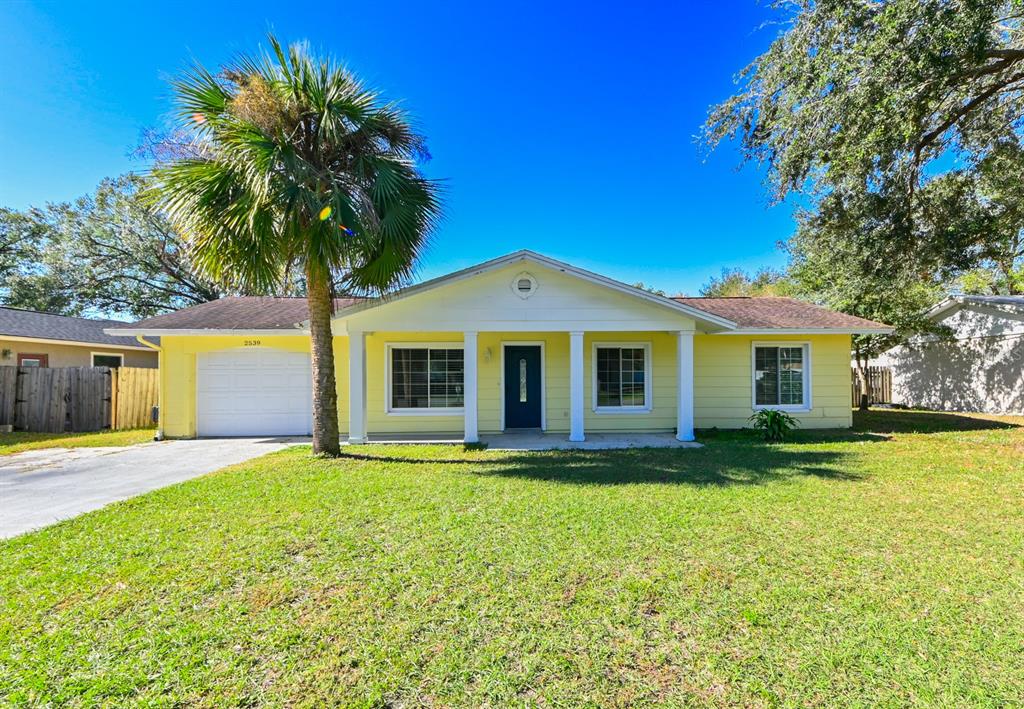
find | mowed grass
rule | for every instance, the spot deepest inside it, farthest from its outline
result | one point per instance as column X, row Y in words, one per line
column 875, row 567
column 19, row 441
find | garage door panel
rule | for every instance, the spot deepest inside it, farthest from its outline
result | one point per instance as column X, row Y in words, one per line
column 253, row 392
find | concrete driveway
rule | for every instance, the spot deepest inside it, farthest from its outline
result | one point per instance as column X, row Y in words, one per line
column 41, row 487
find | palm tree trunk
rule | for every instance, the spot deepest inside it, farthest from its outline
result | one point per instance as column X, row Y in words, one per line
column 325, row 391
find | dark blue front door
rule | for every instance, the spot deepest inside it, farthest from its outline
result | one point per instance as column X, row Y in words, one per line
column 522, row 386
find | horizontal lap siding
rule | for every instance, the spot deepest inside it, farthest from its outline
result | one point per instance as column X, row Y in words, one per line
column 662, row 416
column 722, row 386
column 378, row 420
column 722, row 389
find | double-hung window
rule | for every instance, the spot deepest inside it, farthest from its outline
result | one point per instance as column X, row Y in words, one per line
column 425, row 379
column 622, row 377
column 781, row 376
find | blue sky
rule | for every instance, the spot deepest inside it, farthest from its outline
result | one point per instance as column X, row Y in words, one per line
column 568, row 129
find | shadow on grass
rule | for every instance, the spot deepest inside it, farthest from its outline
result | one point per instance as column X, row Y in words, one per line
column 904, row 421
column 736, row 463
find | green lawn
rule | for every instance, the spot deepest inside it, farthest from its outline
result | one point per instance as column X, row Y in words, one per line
column 869, row 567
column 19, row 441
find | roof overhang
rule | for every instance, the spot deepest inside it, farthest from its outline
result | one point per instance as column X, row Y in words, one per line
column 944, row 306
column 953, row 302
column 526, row 256
column 76, row 343
column 811, row 331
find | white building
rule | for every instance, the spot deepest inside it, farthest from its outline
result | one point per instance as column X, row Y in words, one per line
column 981, row 369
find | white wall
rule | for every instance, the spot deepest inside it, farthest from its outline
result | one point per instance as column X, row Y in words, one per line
column 981, row 369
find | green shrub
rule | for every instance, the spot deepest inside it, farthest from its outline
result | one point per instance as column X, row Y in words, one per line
column 776, row 425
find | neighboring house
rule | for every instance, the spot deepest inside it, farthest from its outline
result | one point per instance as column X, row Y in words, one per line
column 522, row 341
column 31, row 339
column 980, row 369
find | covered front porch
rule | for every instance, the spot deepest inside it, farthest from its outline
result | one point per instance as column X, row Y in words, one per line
column 521, row 390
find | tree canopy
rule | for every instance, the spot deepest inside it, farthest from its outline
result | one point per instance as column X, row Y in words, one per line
column 106, row 253
column 905, row 110
column 733, row 282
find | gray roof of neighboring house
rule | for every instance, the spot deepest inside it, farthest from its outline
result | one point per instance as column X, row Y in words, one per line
column 16, row 322
column 270, row 313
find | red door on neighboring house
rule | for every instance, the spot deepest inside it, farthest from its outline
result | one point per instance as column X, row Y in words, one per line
column 33, row 360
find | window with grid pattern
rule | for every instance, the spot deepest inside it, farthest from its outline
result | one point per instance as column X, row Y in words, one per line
column 427, row 378
column 621, row 376
column 779, row 376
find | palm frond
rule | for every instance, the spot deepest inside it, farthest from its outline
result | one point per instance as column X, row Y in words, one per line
column 286, row 135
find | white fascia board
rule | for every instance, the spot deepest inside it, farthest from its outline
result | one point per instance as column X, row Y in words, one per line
column 157, row 332
column 530, row 256
column 73, row 343
column 943, row 306
column 810, row 331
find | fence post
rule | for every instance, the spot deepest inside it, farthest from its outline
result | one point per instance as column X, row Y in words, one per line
column 113, row 398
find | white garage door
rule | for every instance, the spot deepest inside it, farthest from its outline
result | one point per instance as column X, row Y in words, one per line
column 254, row 392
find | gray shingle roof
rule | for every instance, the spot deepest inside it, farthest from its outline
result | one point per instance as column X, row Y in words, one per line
column 773, row 313
column 237, row 313
column 29, row 323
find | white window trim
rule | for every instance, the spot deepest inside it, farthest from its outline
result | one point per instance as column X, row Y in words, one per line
column 648, row 377
column 92, row 357
column 794, row 408
column 543, row 380
column 439, row 411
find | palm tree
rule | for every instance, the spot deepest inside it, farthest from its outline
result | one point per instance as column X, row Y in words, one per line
column 298, row 165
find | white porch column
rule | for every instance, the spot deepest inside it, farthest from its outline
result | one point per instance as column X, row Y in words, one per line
column 576, row 386
column 469, row 387
column 684, row 384
column 356, row 387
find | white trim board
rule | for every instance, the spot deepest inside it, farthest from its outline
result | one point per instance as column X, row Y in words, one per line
column 73, row 343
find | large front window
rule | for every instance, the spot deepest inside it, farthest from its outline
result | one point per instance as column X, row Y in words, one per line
column 780, row 376
column 622, row 377
column 426, row 378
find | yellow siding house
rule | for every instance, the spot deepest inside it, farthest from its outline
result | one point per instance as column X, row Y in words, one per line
column 519, row 342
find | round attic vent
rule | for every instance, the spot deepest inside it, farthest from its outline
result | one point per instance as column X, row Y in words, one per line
column 524, row 285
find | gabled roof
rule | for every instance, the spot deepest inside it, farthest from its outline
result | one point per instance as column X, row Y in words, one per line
column 1006, row 302
column 290, row 315
column 527, row 256
column 15, row 322
column 774, row 313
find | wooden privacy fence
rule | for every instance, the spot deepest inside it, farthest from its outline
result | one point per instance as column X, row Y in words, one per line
column 54, row 400
column 879, row 385
column 134, row 393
